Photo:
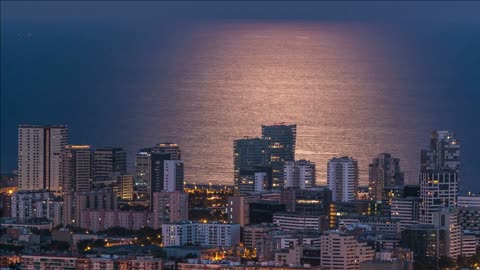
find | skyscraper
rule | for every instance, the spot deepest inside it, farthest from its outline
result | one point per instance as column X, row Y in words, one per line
column 342, row 178
column 248, row 153
column 444, row 153
column 123, row 186
column 158, row 171
column 151, row 174
column 169, row 207
column 109, row 160
column 143, row 172
column 437, row 190
column 281, row 140
column 440, row 166
column 39, row 157
column 169, row 148
column 384, row 172
column 254, row 179
column 76, row 168
column 299, row 174
column 173, row 175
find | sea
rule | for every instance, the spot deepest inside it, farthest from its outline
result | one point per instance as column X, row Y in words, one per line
column 352, row 88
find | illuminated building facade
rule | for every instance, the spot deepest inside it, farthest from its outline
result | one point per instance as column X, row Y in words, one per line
column 76, row 168
column 123, row 186
column 342, row 178
column 443, row 154
column 109, row 160
column 281, row 141
column 248, row 154
column 437, row 190
column 39, row 157
column 256, row 179
column 311, row 202
column 299, row 174
column 340, row 252
column 203, row 234
column 301, row 222
column 439, row 177
column 169, row 207
column 173, row 175
column 405, row 210
column 425, row 240
column 447, row 219
column 157, row 168
column 384, row 173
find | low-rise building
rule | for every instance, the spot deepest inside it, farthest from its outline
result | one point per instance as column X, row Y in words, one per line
column 99, row 220
column 48, row 262
column 468, row 243
column 341, row 251
column 298, row 221
column 203, row 234
column 254, row 232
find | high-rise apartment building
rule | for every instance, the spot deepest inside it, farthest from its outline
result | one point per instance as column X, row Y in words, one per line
column 447, row 219
column 281, row 140
column 255, row 179
column 123, row 186
column 169, row 207
column 76, row 168
column 109, row 160
column 405, row 210
column 439, row 178
column 384, row 172
column 342, row 178
column 443, row 154
column 27, row 206
column 173, row 175
column 39, row 157
column 437, row 190
column 299, row 174
column 169, row 148
column 247, row 154
column 143, row 172
column 150, row 165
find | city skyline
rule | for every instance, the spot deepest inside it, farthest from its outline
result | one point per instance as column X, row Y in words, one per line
column 131, row 167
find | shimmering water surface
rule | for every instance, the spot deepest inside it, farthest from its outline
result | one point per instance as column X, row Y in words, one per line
column 353, row 89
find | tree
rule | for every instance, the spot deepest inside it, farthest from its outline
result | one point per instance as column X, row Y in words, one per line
column 446, row 262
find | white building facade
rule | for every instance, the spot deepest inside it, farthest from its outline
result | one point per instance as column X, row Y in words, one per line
column 39, row 157
column 299, row 174
column 342, row 178
column 173, row 175
column 343, row 252
column 204, row 234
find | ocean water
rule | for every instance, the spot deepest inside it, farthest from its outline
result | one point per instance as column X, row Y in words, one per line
column 356, row 89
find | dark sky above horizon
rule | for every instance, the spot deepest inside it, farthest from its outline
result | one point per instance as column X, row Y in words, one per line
column 383, row 11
